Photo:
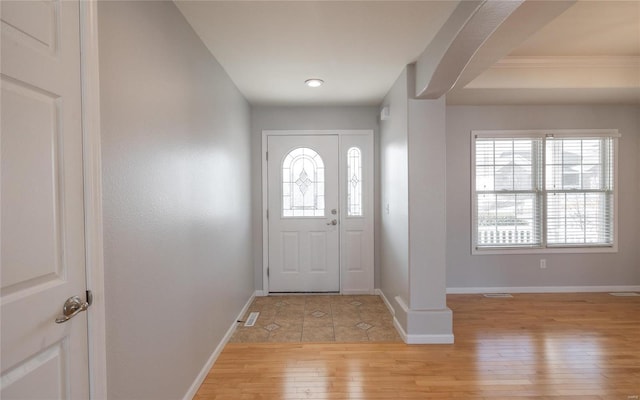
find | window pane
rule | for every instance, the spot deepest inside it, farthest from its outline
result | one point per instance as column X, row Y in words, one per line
column 503, row 152
column 576, row 164
column 504, row 177
column 579, row 218
column 484, row 152
column 485, row 178
column 302, row 184
column 354, row 182
column 507, row 220
column 506, row 164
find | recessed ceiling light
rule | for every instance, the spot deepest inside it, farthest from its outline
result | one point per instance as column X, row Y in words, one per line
column 314, row 82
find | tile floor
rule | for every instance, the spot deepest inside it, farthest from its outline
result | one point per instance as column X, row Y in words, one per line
column 318, row 318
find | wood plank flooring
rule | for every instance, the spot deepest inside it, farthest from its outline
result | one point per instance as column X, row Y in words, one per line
column 551, row 346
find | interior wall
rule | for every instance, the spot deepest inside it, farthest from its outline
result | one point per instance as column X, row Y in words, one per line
column 307, row 118
column 177, row 212
column 394, row 196
column 427, row 204
column 466, row 270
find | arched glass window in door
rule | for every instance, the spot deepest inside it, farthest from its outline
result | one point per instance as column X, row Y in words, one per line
column 354, row 182
column 302, row 184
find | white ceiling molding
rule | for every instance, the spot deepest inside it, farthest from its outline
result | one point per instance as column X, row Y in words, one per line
column 569, row 62
column 562, row 96
column 575, row 72
column 444, row 59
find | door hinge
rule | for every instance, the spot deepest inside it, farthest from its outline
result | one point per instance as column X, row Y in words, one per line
column 89, row 297
column 267, row 155
column 267, row 272
column 267, row 214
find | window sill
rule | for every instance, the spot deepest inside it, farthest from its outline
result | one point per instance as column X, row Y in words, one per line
column 546, row 250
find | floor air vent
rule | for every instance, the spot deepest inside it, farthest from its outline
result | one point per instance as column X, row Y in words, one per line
column 253, row 317
column 497, row 295
column 625, row 294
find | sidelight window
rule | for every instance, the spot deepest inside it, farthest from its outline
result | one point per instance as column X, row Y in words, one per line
column 354, row 182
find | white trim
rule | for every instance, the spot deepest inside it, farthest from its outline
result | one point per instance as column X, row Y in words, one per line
column 193, row 389
column 413, row 338
column 512, row 62
column 265, row 210
column 260, row 293
column 542, row 133
column 545, row 250
column 265, row 187
column 380, row 293
column 543, row 289
column 92, row 170
column 357, row 292
column 422, row 339
column 335, row 132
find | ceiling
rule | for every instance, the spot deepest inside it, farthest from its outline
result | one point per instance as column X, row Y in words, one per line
column 590, row 53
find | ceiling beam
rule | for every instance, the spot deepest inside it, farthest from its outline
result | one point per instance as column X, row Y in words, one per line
column 520, row 25
column 469, row 26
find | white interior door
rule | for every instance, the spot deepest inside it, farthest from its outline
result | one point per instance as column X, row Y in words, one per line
column 303, row 214
column 42, row 213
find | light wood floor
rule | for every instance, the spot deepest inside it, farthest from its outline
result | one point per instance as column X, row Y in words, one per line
column 559, row 346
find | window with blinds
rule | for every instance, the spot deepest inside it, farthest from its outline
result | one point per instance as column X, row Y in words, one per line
column 534, row 190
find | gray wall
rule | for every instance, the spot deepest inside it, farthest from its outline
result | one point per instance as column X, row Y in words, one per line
column 177, row 215
column 427, row 204
column 465, row 270
column 394, row 229
column 305, row 118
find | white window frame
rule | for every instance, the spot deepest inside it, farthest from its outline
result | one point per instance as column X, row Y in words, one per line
column 543, row 133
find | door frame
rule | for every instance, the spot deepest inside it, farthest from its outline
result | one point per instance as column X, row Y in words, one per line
column 92, row 172
column 265, row 192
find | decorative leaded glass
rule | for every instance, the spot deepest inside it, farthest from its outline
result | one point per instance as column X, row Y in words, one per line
column 354, row 182
column 302, row 184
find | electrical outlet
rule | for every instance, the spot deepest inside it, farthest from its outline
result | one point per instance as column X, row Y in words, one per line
column 543, row 263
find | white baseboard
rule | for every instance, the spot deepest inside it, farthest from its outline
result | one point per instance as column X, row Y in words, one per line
column 422, row 339
column 260, row 293
column 357, row 292
column 385, row 301
column 543, row 289
column 193, row 389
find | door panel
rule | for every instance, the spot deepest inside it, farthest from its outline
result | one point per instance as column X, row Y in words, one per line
column 318, row 243
column 42, row 214
column 32, row 152
column 353, row 251
column 302, row 192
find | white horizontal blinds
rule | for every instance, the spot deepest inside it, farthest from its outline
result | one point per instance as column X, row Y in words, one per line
column 579, row 191
column 507, row 188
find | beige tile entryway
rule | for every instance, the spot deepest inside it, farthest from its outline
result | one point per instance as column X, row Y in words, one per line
column 318, row 318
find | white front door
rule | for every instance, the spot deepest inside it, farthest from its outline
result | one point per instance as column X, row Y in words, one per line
column 42, row 212
column 303, row 214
